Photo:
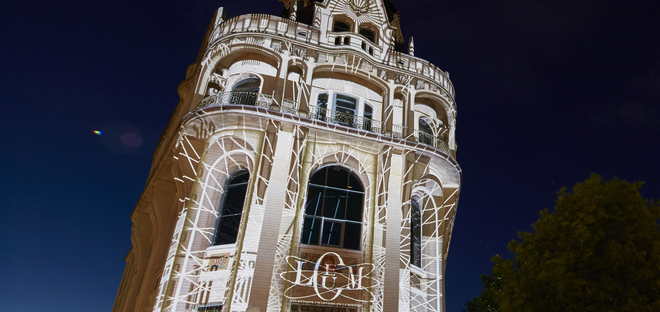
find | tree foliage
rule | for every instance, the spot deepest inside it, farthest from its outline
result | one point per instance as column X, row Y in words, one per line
column 598, row 251
column 486, row 300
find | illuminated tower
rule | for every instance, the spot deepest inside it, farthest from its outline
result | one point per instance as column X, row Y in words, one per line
column 309, row 166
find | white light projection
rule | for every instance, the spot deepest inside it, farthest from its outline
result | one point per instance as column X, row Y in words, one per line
column 330, row 278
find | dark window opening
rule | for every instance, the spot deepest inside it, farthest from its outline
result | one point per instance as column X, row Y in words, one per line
column 368, row 34
column 425, row 132
column 364, row 45
column 368, row 116
column 416, row 234
column 231, row 208
column 341, row 26
column 217, row 308
column 251, row 84
column 347, row 40
column 245, row 91
column 333, row 212
column 337, row 40
column 322, row 106
column 345, row 107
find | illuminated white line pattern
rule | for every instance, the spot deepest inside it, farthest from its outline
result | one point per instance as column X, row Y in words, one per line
column 277, row 139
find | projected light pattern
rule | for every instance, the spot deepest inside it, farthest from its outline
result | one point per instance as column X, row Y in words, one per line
column 270, row 132
column 193, row 277
column 329, row 279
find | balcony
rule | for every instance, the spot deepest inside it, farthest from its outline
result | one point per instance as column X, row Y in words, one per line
column 429, row 139
column 243, row 98
column 260, row 25
column 321, row 114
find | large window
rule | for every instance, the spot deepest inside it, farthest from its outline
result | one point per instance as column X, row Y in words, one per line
column 416, row 234
column 333, row 212
column 231, row 208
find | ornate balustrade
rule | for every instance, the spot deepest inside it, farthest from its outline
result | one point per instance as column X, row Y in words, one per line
column 427, row 138
column 422, row 67
column 319, row 113
column 244, row 98
column 286, row 28
column 346, row 119
column 264, row 23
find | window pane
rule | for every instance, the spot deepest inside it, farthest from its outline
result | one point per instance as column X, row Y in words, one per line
column 368, row 34
column 239, row 178
column 232, row 208
column 334, row 204
column 426, row 133
column 319, row 177
column 352, row 234
column 247, row 85
column 354, row 207
column 346, row 104
column 314, row 201
column 338, row 177
column 311, row 229
column 234, row 199
column 415, row 234
column 339, row 26
column 332, row 233
column 227, row 230
column 424, row 126
column 354, row 184
column 327, row 216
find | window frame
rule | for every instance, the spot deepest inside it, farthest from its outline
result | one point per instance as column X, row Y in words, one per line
column 416, row 233
column 318, row 233
column 223, row 202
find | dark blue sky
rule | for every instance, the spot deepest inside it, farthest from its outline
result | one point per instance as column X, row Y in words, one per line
column 548, row 91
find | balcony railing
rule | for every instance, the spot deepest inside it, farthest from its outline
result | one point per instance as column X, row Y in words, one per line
column 323, row 114
column 346, row 119
column 429, row 139
column 286, row 28
column 243, row 98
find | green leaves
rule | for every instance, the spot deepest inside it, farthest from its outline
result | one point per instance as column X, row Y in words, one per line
column 598, row 251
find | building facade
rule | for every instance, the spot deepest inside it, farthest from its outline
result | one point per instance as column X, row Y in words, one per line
column 310, row 165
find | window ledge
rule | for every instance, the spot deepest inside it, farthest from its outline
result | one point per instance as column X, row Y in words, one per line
column 324, row 249
column 214, row 250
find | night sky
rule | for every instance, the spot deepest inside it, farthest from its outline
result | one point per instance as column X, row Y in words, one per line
column 548, row 91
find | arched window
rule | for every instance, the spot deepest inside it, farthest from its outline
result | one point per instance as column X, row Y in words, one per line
column 250, row 84
column 368, row 34
column 246, row 91
column 425, row 132
column 333, row 212
column 341, row 27
column 415, row 234
column 231, row 208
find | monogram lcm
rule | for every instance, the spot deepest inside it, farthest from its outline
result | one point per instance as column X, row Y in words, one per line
column 310, row 165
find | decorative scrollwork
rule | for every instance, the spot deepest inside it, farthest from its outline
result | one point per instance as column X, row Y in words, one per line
column 360, row 6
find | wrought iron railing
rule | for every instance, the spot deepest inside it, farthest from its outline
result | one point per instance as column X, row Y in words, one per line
column 243, row 98
column 289, row 107
column 323, row 114
column 346, row 119
column 429, row 139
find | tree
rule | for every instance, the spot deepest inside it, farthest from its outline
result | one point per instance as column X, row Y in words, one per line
column 598, row 251
column 486, row 300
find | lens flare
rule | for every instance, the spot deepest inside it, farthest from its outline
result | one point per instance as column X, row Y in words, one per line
column 98, row 132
